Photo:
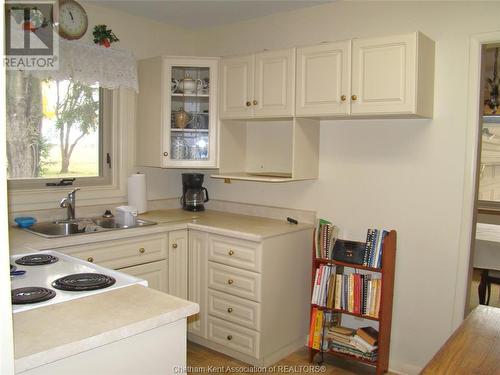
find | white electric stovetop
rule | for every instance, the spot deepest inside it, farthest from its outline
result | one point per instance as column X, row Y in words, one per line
column 44, row 275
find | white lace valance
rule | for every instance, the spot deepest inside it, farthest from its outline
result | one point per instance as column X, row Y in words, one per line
column 91, row 64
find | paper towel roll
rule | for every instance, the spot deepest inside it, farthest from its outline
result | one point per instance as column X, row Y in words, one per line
column 137, row 194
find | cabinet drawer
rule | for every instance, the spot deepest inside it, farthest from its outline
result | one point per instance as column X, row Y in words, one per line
column 234, row 309
column 155, row 273
column 123, row 253
column 233, row 336
column 234, row 252
column 232, row 280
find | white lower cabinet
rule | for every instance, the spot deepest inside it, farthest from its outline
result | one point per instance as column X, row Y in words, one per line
column 178, row 263
column 155, row 273
column 141, row 256
column 253, row 295
column 198, row 241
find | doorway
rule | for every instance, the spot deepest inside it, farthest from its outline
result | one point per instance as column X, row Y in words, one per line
column 484, row 275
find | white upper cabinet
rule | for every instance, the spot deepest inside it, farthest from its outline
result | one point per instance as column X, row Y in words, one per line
column 274, row 83
column 237, row 78
column 381, row 77
column 393, row 75
column 323, row 79
column 258, row 86
column 177, row 112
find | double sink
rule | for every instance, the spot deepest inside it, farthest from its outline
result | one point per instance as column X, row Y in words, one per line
column 81, row 226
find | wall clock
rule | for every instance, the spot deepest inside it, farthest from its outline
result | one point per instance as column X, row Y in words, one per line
column 73, row 21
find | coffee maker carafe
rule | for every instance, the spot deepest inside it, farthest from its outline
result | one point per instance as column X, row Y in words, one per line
column 194, row 195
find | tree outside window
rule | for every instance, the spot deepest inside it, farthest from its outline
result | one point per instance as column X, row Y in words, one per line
column 52, row 128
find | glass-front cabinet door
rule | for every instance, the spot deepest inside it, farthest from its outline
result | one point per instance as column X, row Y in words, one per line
column 190, row 119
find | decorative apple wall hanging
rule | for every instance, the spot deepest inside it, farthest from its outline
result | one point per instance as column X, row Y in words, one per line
column 103, row 36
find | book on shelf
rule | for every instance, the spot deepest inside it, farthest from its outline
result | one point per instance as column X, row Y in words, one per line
column 322, row 294
column 319, row 320
column 357, row 293
column 374, row 246
column 368, row 334
column 325, row 238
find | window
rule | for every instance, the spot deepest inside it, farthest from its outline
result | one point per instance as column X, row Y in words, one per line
column 55, row 130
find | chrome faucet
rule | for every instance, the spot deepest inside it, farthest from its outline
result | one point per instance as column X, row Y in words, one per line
column 69, row 202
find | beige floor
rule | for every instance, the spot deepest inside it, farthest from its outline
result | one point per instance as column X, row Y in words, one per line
column 200, row 357
column 474, row 297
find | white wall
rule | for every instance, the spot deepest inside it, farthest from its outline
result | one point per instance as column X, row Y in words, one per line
column 146, row 38
column 401, row 174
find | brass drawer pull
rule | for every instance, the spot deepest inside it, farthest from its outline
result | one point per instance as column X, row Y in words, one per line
column 90, row 259
column 343, row 98
column 174, row 245
column 249, row 104
column 229, row 310
column 142, row 250
column 230, row 252
column 230, row 281
column 229, row 337
column 354, row 97
column 255, row 102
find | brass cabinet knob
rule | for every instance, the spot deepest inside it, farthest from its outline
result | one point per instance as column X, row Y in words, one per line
column 165, row 154
column 174, row 245
column 90, row 259
column 230, row 281
column 142, row 250
column 343, row 98
column 354, row 97
column 249, row 104
column 230, row 252
column 230, row 310
column 229, row 337
column 255, row 102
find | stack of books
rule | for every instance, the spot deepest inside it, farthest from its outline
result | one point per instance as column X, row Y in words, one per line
column 324, row 286
column 358, row 293
column 361, row 342
column 373, row 248
column 325, row 236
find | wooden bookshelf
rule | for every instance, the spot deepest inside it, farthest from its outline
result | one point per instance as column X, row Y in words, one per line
column 386, row 301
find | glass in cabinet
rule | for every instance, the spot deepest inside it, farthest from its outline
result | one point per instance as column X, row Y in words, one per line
column 190, row 123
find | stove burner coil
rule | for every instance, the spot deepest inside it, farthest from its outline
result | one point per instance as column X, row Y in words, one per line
column 83, row 281
column 31, row 294
column 37, row 260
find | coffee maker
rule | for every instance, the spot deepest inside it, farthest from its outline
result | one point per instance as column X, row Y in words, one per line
column 194, row 195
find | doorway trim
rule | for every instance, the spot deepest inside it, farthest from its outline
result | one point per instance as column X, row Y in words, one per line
column 467, row 231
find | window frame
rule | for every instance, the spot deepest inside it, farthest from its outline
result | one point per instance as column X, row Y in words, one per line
column 122, row 113
column 105, row 147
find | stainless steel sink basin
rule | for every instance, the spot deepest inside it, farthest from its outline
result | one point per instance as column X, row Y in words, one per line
column 96, row 225
column 50, row 229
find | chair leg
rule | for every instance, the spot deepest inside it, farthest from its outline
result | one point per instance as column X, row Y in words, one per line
column 488, row 287
column 481, row 289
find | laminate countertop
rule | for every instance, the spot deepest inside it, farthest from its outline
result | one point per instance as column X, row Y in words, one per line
column 252, row 228
column 54, row 332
